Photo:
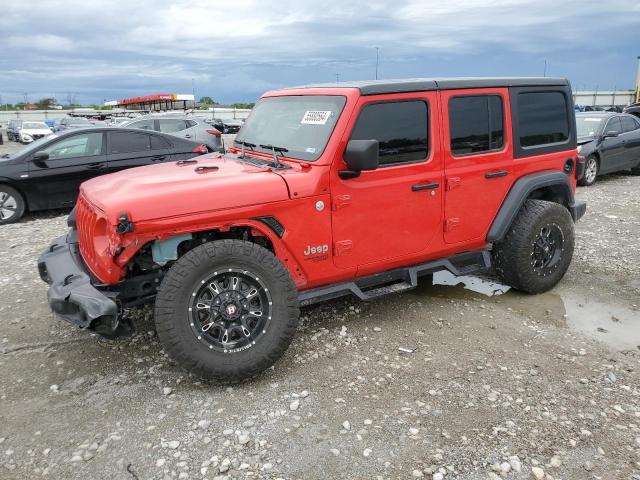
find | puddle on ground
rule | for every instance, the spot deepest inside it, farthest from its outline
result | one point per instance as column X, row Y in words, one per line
column 614, row 325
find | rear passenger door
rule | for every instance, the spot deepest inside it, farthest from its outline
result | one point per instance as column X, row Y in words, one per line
column 175, row 126
column 479, row 167
column 133, row 149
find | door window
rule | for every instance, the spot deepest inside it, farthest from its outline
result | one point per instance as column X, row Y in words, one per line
column 82, row 145
column 143, row 124
column 158, row 143
column 401, row 128
column 170, row 125
column 629, row 124
column 613, row 126
column 476, row 124
column 126, row 142
column 542, row 118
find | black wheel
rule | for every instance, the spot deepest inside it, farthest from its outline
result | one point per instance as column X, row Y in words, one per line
column 227, row 310
column 537, row 250
column 591, row 168
column 11, row 205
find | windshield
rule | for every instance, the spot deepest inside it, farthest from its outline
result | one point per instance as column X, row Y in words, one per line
column 588, row 126
column 34, row 125
column 301, row 124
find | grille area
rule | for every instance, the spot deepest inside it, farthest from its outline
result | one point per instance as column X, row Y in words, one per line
column 86, row 219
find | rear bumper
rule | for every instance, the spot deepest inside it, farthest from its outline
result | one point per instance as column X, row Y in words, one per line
column 577, row 209
column 71, row 294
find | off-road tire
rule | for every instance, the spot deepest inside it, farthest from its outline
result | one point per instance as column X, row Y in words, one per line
column 174, row 296
column 512, row 256
column 18, row 203
column 591, row 159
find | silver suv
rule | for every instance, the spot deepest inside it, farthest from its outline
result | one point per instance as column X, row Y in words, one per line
column 184, row 126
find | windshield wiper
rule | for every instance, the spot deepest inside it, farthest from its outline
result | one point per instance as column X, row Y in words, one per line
column 275, row 151
column 246, row 144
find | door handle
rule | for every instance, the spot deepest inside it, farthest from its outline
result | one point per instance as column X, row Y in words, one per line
column 424, row 186
column 156, row 158
column 187, row 135
column 499, row 173
column 95, row 166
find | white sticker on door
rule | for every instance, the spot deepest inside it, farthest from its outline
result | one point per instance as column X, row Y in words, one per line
column 315, row 117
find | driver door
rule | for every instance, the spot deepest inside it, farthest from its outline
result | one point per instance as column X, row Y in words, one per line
column 72, row 160
column 393, row 213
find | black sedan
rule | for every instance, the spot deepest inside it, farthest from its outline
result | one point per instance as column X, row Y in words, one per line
column 48, row 172
column 227, row 125
column 609, row 141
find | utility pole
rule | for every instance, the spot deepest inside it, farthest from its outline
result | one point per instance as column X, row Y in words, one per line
column 377, row 56
column 337, row 78
column 545, row 68
column 193, row 91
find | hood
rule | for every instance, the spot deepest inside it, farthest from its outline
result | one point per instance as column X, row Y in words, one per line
column 170, row 189
column 583, row 140
column 37, row 131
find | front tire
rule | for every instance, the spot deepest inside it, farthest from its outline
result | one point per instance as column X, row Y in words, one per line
column 591, row 169
column 536, row 252
column 12, row 205
column 227, row 310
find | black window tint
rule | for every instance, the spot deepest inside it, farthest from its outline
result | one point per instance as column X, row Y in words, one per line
column 628, row 124
column 158, row 143
column 401, row 128
column 542, row 118
column 613, row 125
column 476, row 124
column 125, row 142
column 191, row 123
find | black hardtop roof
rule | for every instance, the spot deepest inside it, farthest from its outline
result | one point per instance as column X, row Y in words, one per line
column 374, row 87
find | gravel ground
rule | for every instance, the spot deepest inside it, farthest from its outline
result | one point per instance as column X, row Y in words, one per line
column 442, row 382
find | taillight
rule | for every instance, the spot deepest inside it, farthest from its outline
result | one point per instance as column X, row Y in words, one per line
column 201, row 149
column 214, row 132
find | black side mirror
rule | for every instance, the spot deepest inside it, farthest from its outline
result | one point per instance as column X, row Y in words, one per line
column 40, row 156
column 360, row 155
column 610, row 134
column 40, row 159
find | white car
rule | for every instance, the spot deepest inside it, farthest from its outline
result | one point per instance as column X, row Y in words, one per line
column 30, row 131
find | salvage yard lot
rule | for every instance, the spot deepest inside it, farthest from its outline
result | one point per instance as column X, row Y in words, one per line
column 552, row 379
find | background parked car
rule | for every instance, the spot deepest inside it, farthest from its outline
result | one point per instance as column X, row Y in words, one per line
column 118, row 121
column 227, row 125
column 48, row 172
column 609, row 141
column 12, row 129
column 633, row 109
column 30, row 131
column 72, row 122
column 184, row 126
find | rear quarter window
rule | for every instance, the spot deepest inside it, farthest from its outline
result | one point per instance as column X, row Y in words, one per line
column 542, row 118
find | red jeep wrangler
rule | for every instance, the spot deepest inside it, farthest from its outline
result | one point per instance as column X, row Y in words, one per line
column 328, row 190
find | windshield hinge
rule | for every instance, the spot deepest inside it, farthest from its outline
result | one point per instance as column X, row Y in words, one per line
column 124, row 224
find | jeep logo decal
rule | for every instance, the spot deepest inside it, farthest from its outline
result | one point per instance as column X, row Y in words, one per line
column 316, row 250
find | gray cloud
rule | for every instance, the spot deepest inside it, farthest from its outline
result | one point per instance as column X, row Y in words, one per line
column 235, row 49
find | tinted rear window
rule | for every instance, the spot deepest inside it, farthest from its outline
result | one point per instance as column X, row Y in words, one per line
column 543, row 118
column 628, row 124
column 402, row 129
column 125, row 142
column 158, row 143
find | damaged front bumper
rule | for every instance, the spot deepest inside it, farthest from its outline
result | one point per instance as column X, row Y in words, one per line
column 71, row 295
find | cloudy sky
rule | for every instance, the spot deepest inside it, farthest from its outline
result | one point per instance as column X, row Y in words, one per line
column 236, row 49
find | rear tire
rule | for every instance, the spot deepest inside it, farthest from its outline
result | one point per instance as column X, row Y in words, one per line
column 591, row 169
column 536, row 252
column 209, row 322
column 12, row 205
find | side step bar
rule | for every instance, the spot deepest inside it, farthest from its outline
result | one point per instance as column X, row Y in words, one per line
column 397, row 280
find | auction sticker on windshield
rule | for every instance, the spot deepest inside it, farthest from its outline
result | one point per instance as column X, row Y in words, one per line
column 315, row 117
